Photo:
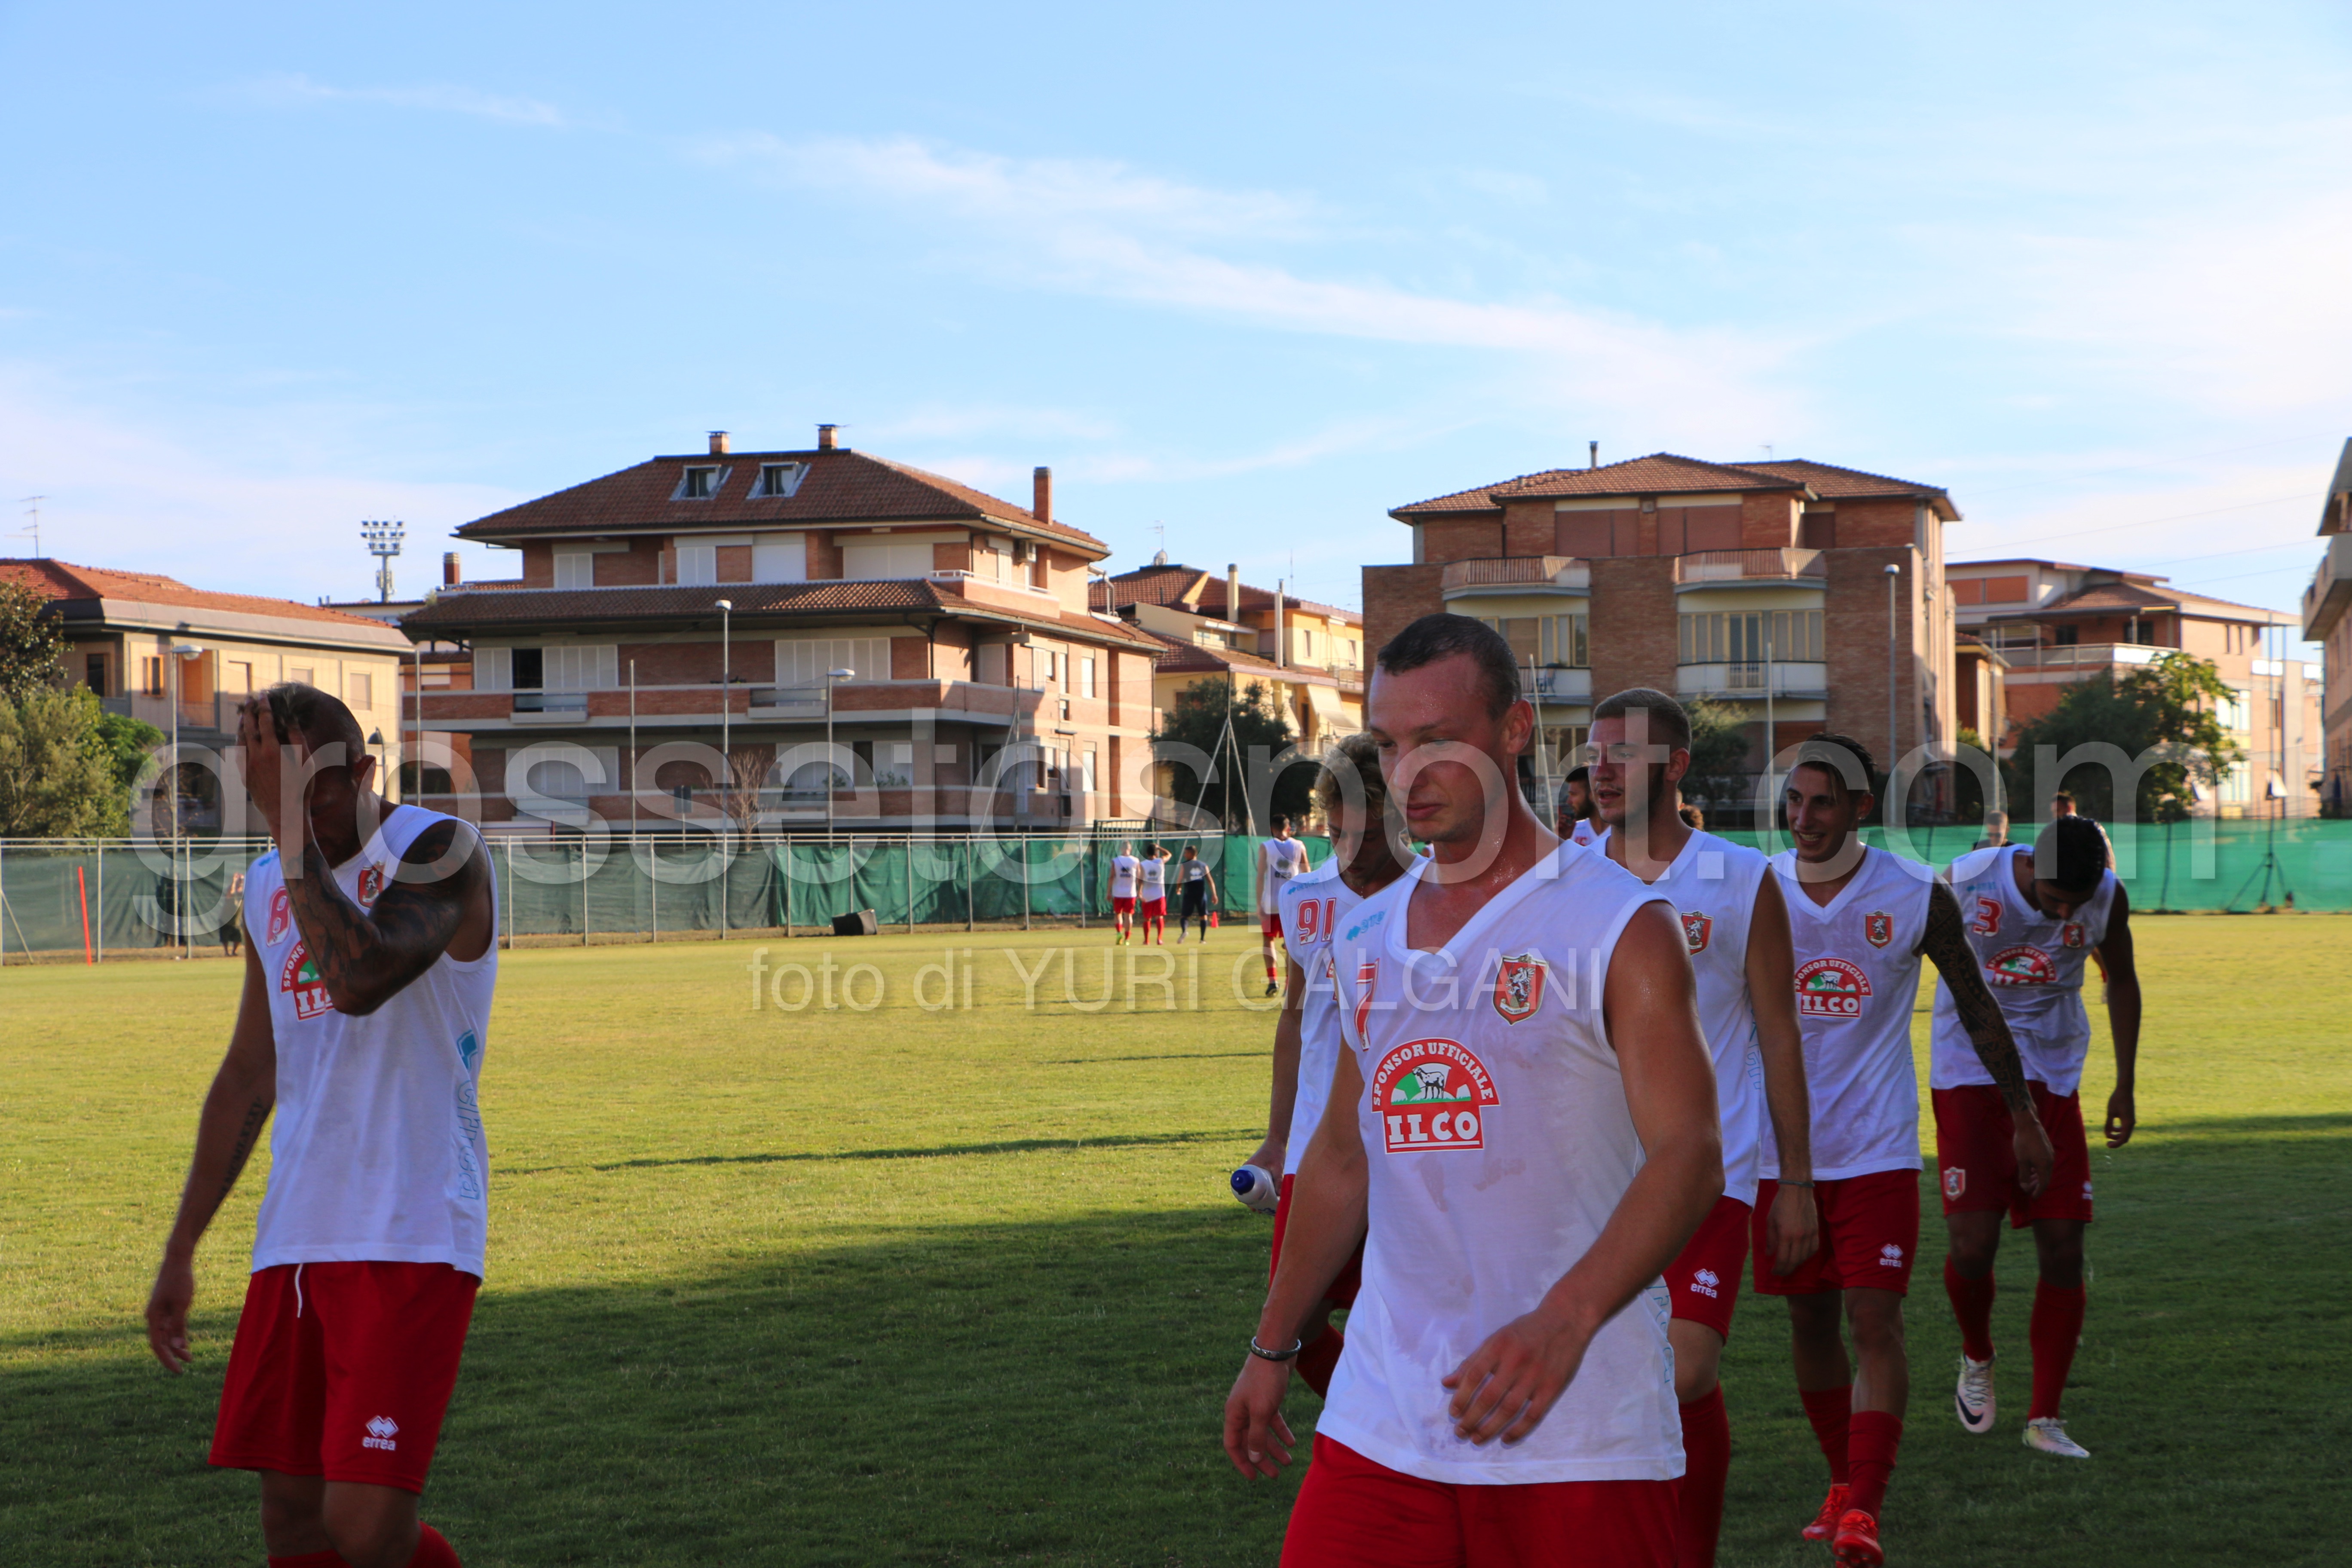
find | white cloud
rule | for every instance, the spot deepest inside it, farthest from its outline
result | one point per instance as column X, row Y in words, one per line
column 440, row 98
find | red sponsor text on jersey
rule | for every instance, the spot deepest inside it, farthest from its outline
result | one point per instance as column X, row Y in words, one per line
column 1429, row 1095
column 301, row 977
column 2021, row 966
column 1519, row 987
column 281, row 917
column 1830, row 988
column 1878, row 927
column 1696, row 928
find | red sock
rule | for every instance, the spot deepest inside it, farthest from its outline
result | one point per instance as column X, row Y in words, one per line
column 1973, row 1305
column 311, row 1560
column 1269, row 971
column 1706, row 1463
column 2056, row 1330
column 432, row 1551
column 1830, row 1410
column 1870, row 1458
column 1315, row 1362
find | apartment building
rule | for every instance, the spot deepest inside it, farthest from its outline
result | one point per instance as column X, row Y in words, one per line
column 2325, row 623
column 121, row 628
column 762, row 602
column 2054, row 623
column 1807, row 596
column 1309, row 657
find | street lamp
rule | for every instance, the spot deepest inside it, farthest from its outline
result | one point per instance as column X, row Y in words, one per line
column 1894, row 576
column 830, row 676
column 181, row 653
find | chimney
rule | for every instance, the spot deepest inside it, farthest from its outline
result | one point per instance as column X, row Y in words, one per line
column 1041, row 503
column 448, row 569
column 1596, row 455
column 718, row 443
column 824, row 442
column 1232, row 593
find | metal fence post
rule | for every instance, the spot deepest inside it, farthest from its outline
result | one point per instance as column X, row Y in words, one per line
column 652, row 883
column 911, row 884
column 584, row 892
column 510, row 892
column 1025, row 882
column 970, row 881
column 102, row 904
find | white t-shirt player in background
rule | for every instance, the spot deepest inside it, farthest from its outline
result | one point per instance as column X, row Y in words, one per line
column 1279, row 858
column 1523, row 1134
column 1119, row 886
column 368, row 973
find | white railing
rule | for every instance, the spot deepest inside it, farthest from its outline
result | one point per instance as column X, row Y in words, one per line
column 1738, row 565
column 1509, row 570
column 1748, row 679
column 2084, row 658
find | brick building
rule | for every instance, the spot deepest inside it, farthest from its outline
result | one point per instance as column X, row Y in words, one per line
column 2325, row 622
column 982, row 691
column 1763, row 586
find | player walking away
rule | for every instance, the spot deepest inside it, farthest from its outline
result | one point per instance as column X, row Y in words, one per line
column 1577, row 822
column 1197, row 887
column 1735, row 928
column 1119, row 886
column 1859, row 919
column 2033, row 916
column 367, row 1000
column 1523, row 1135
column 1368, row 853
column 232, row 930
column 1151, row 894
column 1279, row 858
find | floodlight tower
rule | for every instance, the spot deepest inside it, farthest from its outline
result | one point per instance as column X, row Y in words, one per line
column 384, row 542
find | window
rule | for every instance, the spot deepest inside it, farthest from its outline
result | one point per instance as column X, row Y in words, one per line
column 1087, row 681
column 804, row 661
column 780, row 558
column 151, row 677
column 1086, row 770
column 240, row 676
column 701, row 483
column 1564, row 642
column 300, row 674
column 777, row 479
column 2068, row 636
column 1305, row 644
column 991, row 663
column 884, row 558
column 894, row 764
column 529, row 668
column 94, row 673
column 697, row 565
column 585, row 667
column 360, row 690
column 575, row 569
column 1750, row 636
column 993, row 558
column 2232, row 710
column 1211, row 640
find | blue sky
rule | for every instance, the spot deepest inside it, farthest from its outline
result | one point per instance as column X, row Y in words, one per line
column 1251, row 274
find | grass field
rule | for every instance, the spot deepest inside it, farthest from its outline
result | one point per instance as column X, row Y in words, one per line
column 963, row 1287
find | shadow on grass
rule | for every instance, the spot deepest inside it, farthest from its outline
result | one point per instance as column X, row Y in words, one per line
column 942, row 1151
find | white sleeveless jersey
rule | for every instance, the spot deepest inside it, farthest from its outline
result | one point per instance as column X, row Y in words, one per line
column 1499, row 1143
column 1586, row 833
column 1312, row 908
column 1122, row 876
column 2034, row 965
column 1857, row 976
column 1152, row 876
column 377, row 1153
column 1713, row 884
column 1284, row 858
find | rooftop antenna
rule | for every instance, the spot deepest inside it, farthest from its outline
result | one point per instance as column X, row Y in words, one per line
column 32, row 505
column 1768, row 451
column 1161, row 529
column 382, row 540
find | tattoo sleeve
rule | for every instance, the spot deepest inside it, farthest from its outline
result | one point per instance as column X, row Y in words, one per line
column 367, row 957
column 248, row 1133
column 1945, row 945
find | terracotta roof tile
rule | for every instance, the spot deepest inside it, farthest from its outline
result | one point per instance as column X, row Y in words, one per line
column 1660, row 473
column 1201, row 592
column 1832, row 483
column 63, row 581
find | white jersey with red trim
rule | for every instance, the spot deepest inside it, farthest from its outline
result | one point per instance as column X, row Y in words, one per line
column 1122, row 876
column 1499, row 1143
column 1587, row 834
column 1152, row 879
column 1312, row 908
column 1713, row 884
column 376, row 1152
column 1282, row 859
column 1857, row 977
column 2034, row 966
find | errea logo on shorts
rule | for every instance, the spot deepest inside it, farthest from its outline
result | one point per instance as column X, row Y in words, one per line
column 1704, row 1281
column 1890, row 1255
column 382, row 1429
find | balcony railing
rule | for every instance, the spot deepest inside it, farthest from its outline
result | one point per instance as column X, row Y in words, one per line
column 1559, row 685
column 1515, row 571
column 788, row 701
column 1748, row 680
column 2330, row 593
column 1748, row 565
column 550, row 705
column 2078, row 659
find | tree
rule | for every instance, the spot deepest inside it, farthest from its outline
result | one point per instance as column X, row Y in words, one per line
column 1718, row 750
column 1198, row 719
column 2165, row 712
column 57, row 776
column 32, row 643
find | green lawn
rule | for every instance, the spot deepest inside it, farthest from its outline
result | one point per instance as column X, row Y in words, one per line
column 964, row 1286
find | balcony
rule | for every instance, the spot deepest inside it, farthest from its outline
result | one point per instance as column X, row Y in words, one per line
column 1716, row 567
column 1508, row 572
column 550, row 707
column 1746, row 680
column 2074, row 661
column 2330, row 593
column 1555, row 684
column 787, row 703
column 217, row 713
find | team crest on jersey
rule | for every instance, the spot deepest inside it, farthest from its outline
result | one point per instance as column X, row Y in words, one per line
column 300, row 977
column 1696, row 928
column 1519, row 987
column 2072, row 934
column 281, row 917
column 1956, row 1181
column 1432, row 1095
column 2021, row 966
column 1986, row 921
column 1879, row 927
column 1367, row 972
column 370, row 885
column 1830, row 988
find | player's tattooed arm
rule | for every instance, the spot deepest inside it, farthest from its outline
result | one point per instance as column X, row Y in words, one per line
column 1945, row 944
column 365, row 957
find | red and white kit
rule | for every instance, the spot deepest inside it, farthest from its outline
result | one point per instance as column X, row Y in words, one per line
column 1284, row 859
column 1713, row 884
column 1122, row 884
column 1499, row 1143
column 1857, row 975
column 1151, row 887
column 2035, row 967
column 1313, row 906
column 368, row 1244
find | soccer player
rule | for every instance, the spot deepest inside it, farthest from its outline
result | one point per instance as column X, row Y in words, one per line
column 368, row 981
column 2033, row 916
column 1522, row 1132
column 1860, row 920
column 1198, row 888
column 1119, row 885
column 1577, row 824
column 1151, row 894
column 1368, row 853
column 1736, row 927
column 1279, row 858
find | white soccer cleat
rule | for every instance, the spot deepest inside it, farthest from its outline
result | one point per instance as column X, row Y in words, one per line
column 1973, row 1399
column 2047, row 1435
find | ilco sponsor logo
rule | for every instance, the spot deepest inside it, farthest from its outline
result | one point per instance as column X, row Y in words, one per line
column 2021, row 966
column 1705, row 1282
column 299, row 976
column 1519, row 987
column 1432, row 1095
column 281, row 917
column 1696, row 928
column 381, row 1431
column 1956, row 1181
column 1830, row 988
column 1986, row 921
column 1878, row 926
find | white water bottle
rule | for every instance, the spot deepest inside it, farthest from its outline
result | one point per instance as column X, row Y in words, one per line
column 1257, row 1189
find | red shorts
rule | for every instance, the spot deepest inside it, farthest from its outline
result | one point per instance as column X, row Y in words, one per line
column 1704, row 1280
column 1272, row 925
column 1870, row 1232
column 1154, row 909
column 1979, row 1163
column 344, row 1370
column 1122, row 906
column 1342, row 1292
column 1352, row 1512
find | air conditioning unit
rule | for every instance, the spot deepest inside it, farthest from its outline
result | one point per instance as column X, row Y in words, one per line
column 1024, row 551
